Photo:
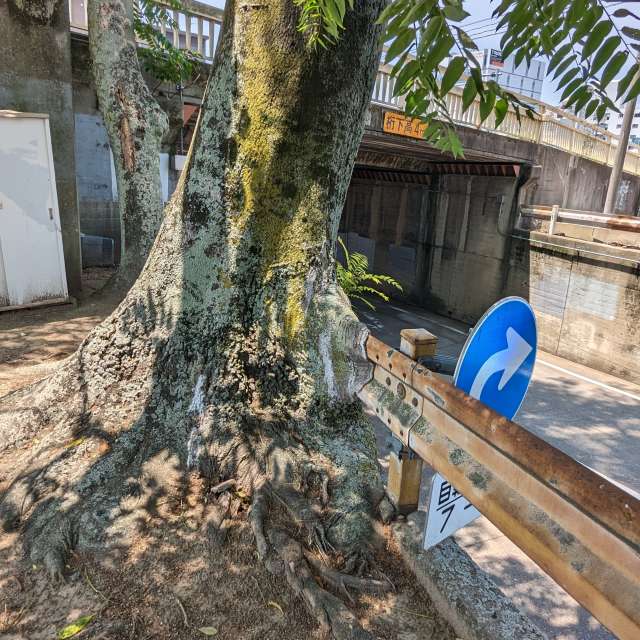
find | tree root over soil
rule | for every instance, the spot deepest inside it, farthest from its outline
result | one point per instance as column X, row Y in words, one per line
column 307, row 476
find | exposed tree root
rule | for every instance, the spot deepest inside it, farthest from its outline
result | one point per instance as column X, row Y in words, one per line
column 256, row 518
column 215, row 520
column 343, row 582
column 304, row 516
column 334, row 617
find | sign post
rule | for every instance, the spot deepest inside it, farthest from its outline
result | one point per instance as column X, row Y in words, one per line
column 495, row 367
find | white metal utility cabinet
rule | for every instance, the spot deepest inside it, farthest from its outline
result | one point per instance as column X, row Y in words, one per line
column 31, row 258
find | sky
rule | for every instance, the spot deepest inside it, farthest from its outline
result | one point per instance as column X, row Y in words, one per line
column 482, row 28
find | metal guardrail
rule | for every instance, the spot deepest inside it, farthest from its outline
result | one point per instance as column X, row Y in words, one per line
column 580, row 528
column 553, row 127
column 585, row 218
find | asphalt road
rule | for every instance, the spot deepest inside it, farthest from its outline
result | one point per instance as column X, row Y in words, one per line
column 591, row 416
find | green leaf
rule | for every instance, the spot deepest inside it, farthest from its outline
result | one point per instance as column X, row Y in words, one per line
column 575, row 95
column 591, row 107
column 399, row 65
column 613, row 68
column 501, row 110
column 634, row 91
column 390, row 11
column 208, row 631
column 407, row 75
column 623, row 85
column 605, row 52
column 587, row 21
column 582, row 99
column 401, row 44
column 419, row 11
column 561, row 68
column 477, row 78
column 486, row 105
column 631, row 32
column 452, row 74
column 623, row 13
column 558, row 57
column 431, row 31
column 468, row 93
column 570, row 88
column 455, row 13
column 576, row 11
column 597, row 35
column 75, row 627
column 437, row 53
column 567, row 77
column 465, row 40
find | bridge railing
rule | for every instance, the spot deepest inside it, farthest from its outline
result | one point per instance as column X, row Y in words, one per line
column 198, row 30
column 552, row 126
column 196, row 27
column 580, row 528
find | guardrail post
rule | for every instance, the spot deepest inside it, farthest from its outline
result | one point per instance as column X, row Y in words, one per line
column 403, row 482
column 418, row 343
column 405, row 468
column 554, row 218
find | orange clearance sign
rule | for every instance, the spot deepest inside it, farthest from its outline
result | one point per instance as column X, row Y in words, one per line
column 402, row 125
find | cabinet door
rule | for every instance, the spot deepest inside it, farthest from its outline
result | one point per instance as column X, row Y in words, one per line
column 30, row 238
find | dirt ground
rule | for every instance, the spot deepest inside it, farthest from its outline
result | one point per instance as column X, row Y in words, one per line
column 171, row 581
column 33, row 341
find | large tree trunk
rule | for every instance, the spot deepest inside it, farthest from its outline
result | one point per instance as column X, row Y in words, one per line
column 234, row 355
column 135, row 125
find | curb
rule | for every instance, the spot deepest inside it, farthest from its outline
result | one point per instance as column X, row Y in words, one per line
column 464, row 594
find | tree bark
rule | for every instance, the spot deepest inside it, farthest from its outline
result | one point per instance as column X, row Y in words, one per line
column 234, row 355
column 39, row 10
column 135, row 125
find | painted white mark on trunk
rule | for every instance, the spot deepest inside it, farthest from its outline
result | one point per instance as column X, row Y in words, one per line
column 194, row 444
column 308, row 287
column 194, row 448
column 325, row 353
column 361, row 371
column 197, row 401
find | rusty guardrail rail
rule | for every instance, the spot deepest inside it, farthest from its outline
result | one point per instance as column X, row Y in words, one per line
column 580, row 528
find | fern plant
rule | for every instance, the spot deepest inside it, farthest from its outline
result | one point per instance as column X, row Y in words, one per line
column 357, row 282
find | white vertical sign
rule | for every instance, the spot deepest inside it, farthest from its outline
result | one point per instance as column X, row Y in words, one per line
column 448, row 511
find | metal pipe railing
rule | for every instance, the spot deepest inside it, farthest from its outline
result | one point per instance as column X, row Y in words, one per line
column 580, row 528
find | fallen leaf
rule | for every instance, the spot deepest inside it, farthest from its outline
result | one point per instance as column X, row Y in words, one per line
column 74, row 443
column 208, row 631
column 275, row 605
column 75, row 627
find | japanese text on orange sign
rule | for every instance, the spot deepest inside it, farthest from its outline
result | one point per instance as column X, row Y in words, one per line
column 403, row 126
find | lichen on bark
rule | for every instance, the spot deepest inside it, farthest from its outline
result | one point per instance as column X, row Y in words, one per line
column 234, row 355
column 39, row 10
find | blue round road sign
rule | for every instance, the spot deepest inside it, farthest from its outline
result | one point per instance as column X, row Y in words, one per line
column 496, row 363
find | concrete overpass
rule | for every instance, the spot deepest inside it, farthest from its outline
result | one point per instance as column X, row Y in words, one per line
column 427, row 218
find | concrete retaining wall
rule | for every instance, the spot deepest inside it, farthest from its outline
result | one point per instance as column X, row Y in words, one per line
column 586, row 296
column 451, row 244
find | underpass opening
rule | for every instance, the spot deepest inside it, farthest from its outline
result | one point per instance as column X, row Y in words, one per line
column 443, row 231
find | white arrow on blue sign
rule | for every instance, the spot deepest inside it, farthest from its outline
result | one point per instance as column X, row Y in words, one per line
column 495, row 367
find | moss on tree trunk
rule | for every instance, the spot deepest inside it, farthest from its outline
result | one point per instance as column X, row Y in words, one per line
column 234, row 355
